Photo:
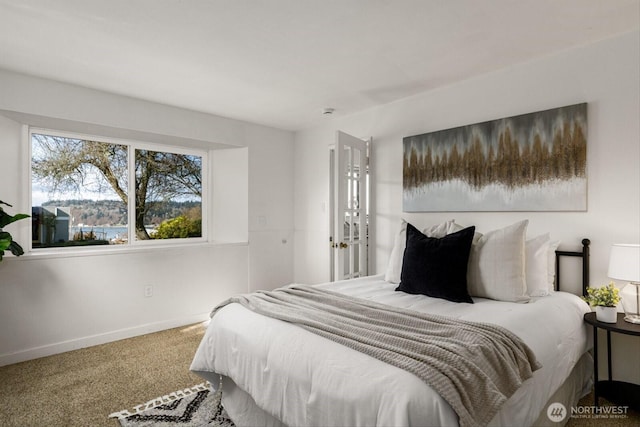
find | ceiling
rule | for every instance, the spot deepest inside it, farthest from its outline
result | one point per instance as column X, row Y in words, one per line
column 280, row 62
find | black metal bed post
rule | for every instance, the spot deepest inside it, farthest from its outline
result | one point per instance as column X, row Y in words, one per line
column 585, row 265
column 584, row 254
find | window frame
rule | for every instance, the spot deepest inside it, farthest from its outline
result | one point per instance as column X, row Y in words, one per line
column 132, row 243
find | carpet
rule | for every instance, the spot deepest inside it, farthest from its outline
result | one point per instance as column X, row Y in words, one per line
column 196, row 406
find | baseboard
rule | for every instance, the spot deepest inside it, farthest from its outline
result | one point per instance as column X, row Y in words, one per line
column 88, row 341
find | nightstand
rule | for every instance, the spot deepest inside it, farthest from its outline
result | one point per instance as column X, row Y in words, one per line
column 619, row 392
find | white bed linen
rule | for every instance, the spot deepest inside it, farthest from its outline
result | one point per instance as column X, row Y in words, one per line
column 305, row 380
column 246, row 413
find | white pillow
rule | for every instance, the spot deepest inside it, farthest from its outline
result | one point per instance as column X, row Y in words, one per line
column 394, row 267
column 438, row 230
column 454, row 227
column 497, row 264
column 551, row 265
column 537, row 265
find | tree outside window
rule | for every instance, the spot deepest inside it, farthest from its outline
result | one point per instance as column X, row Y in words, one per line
column 81, row 188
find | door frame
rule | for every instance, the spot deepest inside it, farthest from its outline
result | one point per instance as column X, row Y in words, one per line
column 368, row 230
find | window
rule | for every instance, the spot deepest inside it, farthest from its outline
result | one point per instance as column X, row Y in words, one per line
column 93, row 191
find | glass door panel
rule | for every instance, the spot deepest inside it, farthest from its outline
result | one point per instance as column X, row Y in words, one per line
column 349, row 243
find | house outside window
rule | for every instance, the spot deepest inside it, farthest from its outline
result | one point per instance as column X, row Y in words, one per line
column 92, row 191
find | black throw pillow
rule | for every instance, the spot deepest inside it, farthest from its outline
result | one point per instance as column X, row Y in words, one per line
column 437, row 267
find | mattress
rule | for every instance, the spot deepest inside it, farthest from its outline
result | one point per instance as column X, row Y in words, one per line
column 299, row 378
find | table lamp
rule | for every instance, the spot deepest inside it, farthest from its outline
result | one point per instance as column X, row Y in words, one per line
column 624, row 264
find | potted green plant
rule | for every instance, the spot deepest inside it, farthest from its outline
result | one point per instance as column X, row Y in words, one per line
column 605, row 299
column 6, row 240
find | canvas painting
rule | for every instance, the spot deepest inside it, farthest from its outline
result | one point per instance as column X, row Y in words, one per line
column 531, row 162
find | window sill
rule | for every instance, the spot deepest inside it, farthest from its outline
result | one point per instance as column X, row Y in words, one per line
column 39, row 254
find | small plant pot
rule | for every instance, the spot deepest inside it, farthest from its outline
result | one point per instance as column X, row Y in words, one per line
column 606, row 314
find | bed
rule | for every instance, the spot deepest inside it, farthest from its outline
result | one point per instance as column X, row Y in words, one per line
column 274, row 372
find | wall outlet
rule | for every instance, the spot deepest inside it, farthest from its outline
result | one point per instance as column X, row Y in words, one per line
column 148, row 291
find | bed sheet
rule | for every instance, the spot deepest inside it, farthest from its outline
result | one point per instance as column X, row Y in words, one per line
column 304, row 379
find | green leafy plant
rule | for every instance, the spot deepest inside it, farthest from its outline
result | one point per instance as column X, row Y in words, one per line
column 604, row 296
column 6, row 240
column 179, row 227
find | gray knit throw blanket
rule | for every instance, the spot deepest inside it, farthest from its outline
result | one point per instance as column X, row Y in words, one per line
column 474, row 366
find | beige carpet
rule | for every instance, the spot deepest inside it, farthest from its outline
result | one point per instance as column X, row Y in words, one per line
column 632, row 420
column 81, row 388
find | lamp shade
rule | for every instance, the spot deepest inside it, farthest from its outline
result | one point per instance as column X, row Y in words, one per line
column 624, row 262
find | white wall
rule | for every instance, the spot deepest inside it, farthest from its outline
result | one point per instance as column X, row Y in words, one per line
column 606, row 75
column 52, row 304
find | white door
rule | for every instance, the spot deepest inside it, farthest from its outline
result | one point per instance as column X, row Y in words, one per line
column 349, row 223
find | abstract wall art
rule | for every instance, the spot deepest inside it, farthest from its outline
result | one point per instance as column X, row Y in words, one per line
column 530, row 162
